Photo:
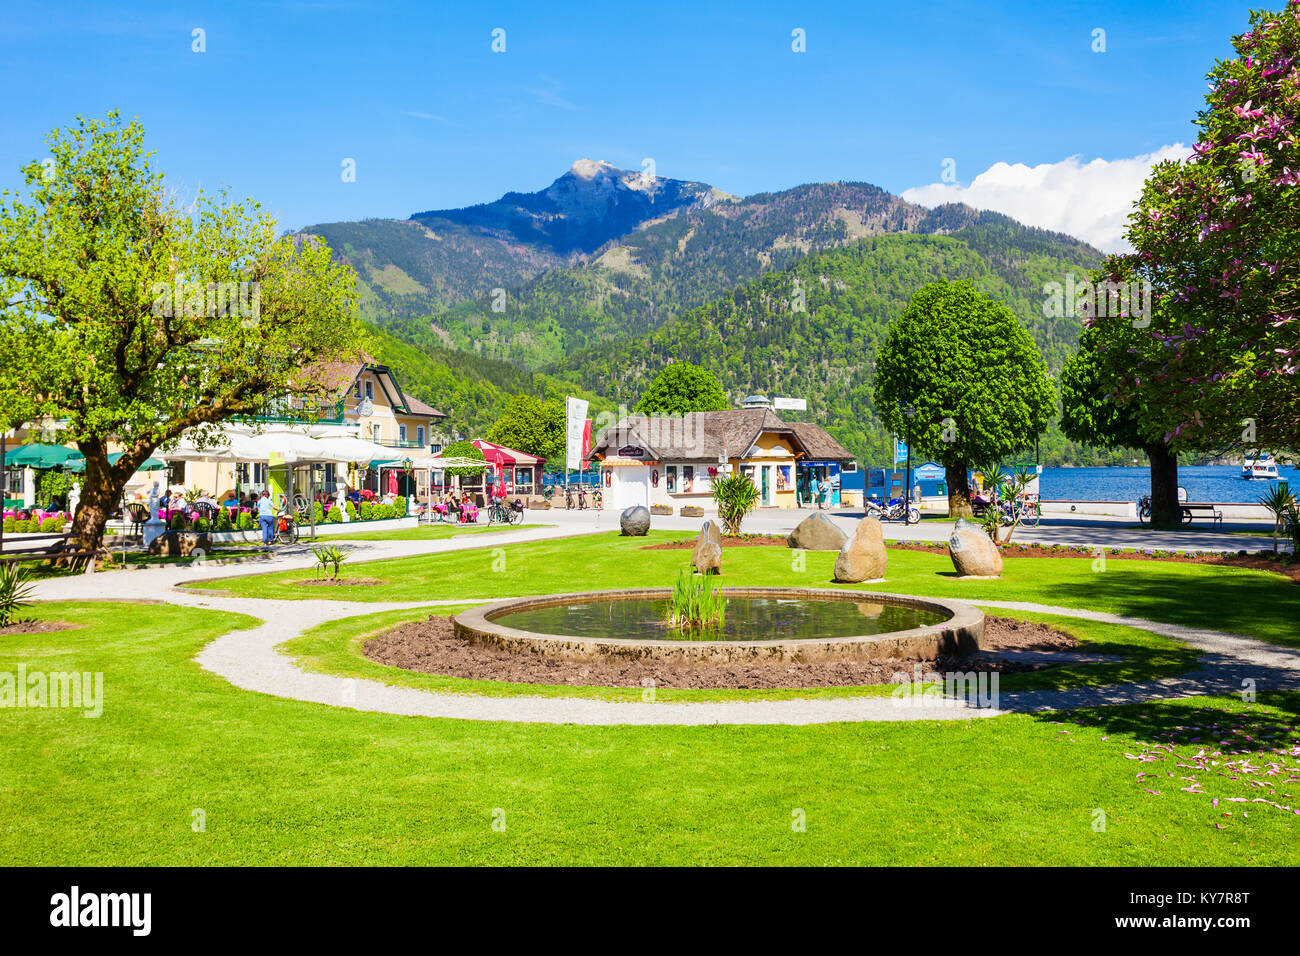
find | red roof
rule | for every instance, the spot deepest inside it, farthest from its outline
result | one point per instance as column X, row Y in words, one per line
column 501, row 455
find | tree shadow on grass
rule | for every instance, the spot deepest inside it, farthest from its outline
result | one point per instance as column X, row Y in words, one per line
column 1237, row 602
column 1241, row 730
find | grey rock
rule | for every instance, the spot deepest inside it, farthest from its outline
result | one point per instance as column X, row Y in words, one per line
column 863, row 556
column 707, row 554
column 635, row 521
column 973, row 553
column 817, row 533
column 181, row 544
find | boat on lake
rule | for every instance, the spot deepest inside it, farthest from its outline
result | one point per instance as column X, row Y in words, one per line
column 1261, row 466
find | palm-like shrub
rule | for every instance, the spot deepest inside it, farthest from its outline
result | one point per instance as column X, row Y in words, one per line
column 14, row 591
column 736, row 496
column 1279, row 501
column 330, row 558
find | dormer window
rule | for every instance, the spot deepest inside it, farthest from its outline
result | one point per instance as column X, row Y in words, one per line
column 370, row 389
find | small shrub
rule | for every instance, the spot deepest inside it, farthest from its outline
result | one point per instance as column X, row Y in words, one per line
column 177, row 523
column 367, row 511
column 9, row 525
column 49, row 525
column 399, row 506
column 14, row 591
column 335, row 516
column 223, row 520
column 696, row 602
column 352, row 511
column 202, row 524
column 245, row 522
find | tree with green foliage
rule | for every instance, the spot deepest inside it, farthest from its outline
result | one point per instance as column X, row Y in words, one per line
column 972, row 377
column 464, row 449
column 129, row 318
column 680, row 388
column 1092, row 412
column 530, row 425
column 1216, row 238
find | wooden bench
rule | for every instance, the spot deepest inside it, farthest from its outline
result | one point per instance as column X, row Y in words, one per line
column 44, row 547
column 1202, row 509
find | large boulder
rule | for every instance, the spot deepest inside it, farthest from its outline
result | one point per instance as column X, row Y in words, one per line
column 707, row 555
column 635, row 521
column 973, row 552
column 863, row 556
column 181, row 544
column 817, row 533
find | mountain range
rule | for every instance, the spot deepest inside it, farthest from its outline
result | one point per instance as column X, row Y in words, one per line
column 593, row 283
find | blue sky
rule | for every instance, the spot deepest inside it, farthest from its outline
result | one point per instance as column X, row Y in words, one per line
column 711, row 91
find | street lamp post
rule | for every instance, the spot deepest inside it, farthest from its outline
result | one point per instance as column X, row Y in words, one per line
column 909, row 412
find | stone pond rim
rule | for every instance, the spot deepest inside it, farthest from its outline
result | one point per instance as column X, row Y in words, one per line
column 958, row 635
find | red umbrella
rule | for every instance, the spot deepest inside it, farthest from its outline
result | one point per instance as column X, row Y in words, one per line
column 392, row 482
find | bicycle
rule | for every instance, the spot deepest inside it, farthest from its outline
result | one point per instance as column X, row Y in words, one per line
column 286, row 528
column 1144, row 511
column 582, row 498
column 504, row 512
column 568, row 498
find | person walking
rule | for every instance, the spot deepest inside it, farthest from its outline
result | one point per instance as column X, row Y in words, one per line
column 266, row 517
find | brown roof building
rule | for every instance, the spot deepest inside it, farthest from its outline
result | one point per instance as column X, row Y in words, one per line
column 654, row 460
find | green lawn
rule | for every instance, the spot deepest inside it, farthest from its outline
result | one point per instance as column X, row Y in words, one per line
column 336, row 648
column 1257, row 603
column 427, row 532
column 284, row 782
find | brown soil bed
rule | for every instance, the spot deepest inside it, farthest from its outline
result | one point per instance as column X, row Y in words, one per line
column 432, row 647
column 341, row 582
column 1255, row 562
column 36, row 627
column 728, row 541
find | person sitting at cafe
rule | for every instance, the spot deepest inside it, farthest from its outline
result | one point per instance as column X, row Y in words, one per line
column 231, row 500
column 468, row 510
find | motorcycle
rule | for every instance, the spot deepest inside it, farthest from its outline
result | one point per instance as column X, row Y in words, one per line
column 896, row 510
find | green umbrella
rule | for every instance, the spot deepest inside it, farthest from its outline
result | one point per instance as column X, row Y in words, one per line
column 150, row 464
column 42, row 456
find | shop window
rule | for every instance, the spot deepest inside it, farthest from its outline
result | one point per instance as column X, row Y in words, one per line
column 670, row 479
column 688, row 478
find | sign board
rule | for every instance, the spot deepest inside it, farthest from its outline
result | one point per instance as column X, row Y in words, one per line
column 791, row 404
column 929, row 472
column 900, row 450
column 575, row 424
column 631, row 451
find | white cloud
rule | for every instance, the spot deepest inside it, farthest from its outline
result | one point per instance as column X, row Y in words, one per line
column 1090, row 201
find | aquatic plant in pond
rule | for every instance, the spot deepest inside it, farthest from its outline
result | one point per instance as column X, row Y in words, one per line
column 696, row 602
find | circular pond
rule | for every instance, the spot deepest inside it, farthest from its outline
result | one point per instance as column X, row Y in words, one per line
column 769, row 624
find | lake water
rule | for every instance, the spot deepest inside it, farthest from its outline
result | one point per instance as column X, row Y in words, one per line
column 1203, row 483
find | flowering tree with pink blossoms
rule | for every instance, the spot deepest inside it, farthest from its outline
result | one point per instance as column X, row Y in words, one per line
column 1218, row 238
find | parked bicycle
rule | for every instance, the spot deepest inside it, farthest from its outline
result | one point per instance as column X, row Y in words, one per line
column 286, row 528
column 506, row 512
column 896, row 510
column 1144, row 511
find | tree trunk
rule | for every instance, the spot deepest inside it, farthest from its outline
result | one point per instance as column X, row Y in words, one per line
column 1165, row 509
column 101, row 490
column 958, row 490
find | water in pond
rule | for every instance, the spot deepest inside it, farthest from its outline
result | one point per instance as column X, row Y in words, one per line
column 747, row 619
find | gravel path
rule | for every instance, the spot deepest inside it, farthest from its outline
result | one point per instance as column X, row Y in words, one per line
column 248, row 660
